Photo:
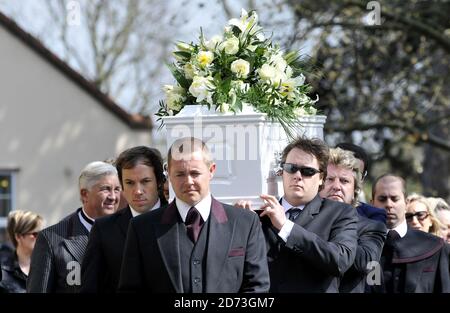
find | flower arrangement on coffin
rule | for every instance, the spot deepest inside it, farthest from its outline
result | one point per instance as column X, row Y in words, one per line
column 238, row 68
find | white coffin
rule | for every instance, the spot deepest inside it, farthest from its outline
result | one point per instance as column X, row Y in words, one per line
column 244, row 146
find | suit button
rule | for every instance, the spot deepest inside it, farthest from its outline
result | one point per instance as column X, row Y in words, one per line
column 196, row 262
column 197, row 280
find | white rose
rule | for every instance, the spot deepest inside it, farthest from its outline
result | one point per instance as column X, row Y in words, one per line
column 202, row 88
column 231, row 45
column 213, row 43
column 266, row 72
column 205, row 58
column 175, row 95
column 240, row 67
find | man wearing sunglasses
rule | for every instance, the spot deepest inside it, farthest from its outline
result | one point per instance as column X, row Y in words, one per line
column 311, row 241
column 412, row 261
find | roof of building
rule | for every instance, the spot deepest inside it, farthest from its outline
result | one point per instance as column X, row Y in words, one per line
column 134, row 121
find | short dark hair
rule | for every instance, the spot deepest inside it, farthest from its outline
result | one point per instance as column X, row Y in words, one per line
column 394, row 177
column 358, row 152
column 313, row 146
column 143, row 155
column 188, row 144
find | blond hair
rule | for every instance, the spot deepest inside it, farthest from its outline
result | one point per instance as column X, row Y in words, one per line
column 346, row 159
column 435, row 227
column 22, row 222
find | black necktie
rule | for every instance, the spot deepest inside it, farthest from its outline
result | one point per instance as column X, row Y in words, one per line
column 392, row 236
column 294, row 213
column 194, row 223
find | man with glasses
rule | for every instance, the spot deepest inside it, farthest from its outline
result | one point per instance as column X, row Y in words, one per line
column 412, row 261
column 311, row 241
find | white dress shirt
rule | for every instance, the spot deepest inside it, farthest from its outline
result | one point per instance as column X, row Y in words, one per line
column 401, row 229
column 135, row 213
column 203, row 207
column 285, row 231
column 86, row 224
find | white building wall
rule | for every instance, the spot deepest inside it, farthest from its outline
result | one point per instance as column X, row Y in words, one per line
column 50, row 129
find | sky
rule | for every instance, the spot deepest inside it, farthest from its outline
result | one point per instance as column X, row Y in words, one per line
column 32, row 15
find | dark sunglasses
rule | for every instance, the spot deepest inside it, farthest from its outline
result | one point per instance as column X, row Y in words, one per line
column 420, row 215
column 34, row 234
column 304, row 170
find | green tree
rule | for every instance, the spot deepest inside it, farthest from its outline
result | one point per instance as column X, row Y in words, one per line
column 385, row 83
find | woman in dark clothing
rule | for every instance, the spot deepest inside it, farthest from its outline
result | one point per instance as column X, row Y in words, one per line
column 23, row 228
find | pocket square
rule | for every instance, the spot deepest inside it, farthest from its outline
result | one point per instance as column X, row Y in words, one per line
column 237, row 252
column 428, row 269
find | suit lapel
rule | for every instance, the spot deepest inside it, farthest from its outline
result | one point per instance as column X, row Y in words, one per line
column 167, row 237
column 274, row 242
column 77, row 238
column 220, row 234
column 309, row 211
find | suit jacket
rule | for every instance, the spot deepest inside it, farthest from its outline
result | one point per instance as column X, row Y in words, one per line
column 423, row 260
column 235, row 256
column 319, row 250
column 57, row 256
column 100, row 269
column 371, row 212
column 371, row 237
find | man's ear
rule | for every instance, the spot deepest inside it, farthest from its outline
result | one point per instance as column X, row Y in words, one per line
column 212, row 170
column 83, row 194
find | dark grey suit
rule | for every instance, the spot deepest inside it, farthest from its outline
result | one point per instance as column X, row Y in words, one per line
column 416, row 263
column 101, row 264
column 320, row 248
column 57, row 256
column 371, row 236
column 234, row 256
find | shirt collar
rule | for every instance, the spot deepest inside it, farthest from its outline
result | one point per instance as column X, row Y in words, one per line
column 401, row 229
column 83, row 221
column 135, row 213
column 286, row 205
column 203, row 207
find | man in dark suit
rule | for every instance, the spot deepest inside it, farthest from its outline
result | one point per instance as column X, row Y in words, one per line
column 141, row 174
column 363, row 208
column 58, row 253
column 412, row 261
column 312, row 241
column 196, row 244
column 343, row 183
